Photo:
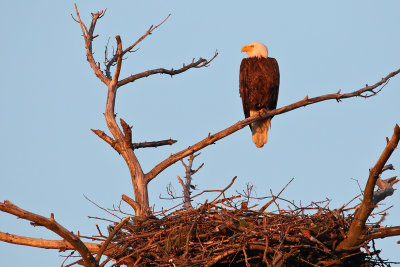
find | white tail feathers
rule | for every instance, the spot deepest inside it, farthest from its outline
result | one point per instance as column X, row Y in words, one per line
column 259, row 130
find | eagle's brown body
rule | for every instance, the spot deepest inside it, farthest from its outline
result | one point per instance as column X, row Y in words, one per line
column 259, row 88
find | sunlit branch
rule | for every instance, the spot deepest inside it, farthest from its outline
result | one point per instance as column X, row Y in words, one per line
column 201, row 62
column 366, row 91
column 367, row 205
column 53, row 226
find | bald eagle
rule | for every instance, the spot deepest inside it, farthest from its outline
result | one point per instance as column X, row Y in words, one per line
column 259, row 88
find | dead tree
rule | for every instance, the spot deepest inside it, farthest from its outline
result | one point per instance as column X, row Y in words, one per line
column 121, row 141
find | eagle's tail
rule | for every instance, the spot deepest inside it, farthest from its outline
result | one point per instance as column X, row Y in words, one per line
column 259, row 130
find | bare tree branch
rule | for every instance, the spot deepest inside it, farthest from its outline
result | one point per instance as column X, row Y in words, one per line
column 386, row 189
column 367, row 205
column 389, row 166
column 88, row 37
column 127, row 131
column 112, row 61
column 381, row 233
column 187, row 185
column 117, row 57
column 130, row 201
column 128, row 138
column 53, row 226
column 107, row 139
column 263, row 208
column 119, row 60
column 61, row 245
column 201, row 62
column 153, row 143
column 367, row 91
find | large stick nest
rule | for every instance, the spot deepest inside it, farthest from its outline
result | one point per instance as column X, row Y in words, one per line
column 221, row 233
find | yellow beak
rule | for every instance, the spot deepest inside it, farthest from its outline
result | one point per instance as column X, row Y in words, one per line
column 245, row 48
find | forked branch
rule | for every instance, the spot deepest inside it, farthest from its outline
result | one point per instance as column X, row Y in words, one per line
column 187, row 185
column 367, row 91
column 88, row 38
column 117, row 57
column 113, row 60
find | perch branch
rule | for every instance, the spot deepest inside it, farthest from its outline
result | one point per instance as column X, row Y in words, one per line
column 154, row 143
column 201, row 62
column 211, row 139
column 367, row 205
column 53, row 226
column 88, row 38
column 112, row 61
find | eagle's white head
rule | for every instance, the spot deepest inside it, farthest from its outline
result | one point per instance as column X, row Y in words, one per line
column 255, row 49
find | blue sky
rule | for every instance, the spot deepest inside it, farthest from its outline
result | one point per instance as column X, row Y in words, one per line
column 50, row 99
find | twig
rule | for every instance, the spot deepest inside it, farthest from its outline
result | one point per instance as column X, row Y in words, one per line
column 203, row 209
column 109, row 238
column 223, row 190
column 91, row 201
column 263, row 208
column 245, row 257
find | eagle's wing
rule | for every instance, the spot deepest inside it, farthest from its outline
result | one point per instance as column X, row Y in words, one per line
column 268, row 83
column 244, row 86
